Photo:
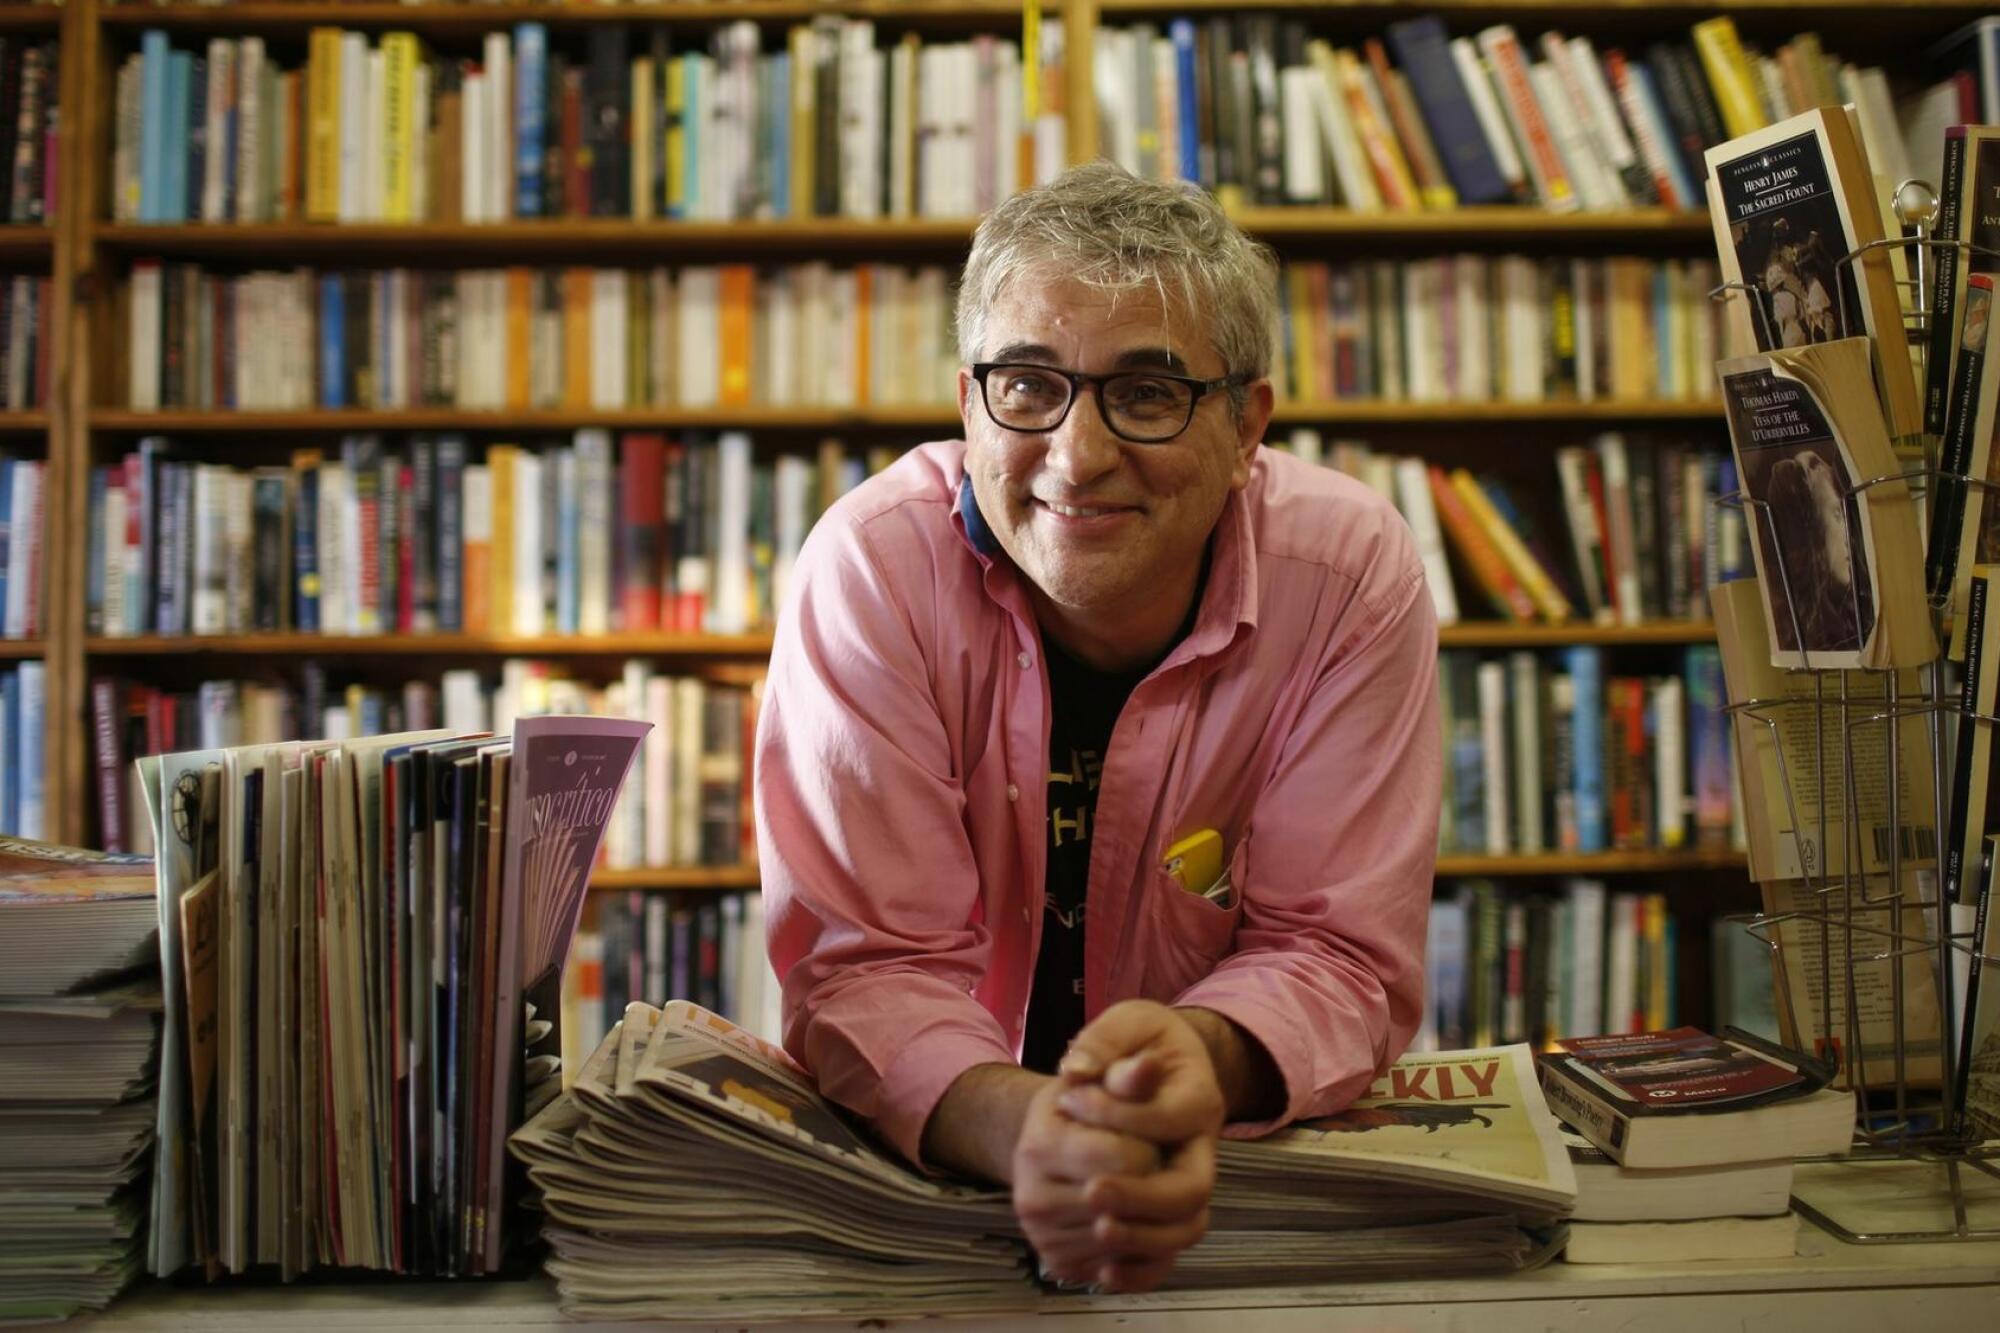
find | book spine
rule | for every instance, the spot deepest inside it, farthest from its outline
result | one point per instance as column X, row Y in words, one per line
column 1590, row 1118
column 1480, row 554
column 1502, row 50
column 1949, row 272
column 530, row 122
column 1423, row 53
column 449, row 558
column 105, row 718
column 1956, row 454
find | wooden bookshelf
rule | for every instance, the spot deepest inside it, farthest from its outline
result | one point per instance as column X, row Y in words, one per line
column 16, row 650
column 463, row 19
column 718, row 878
column 722, row 647
column 1503, row 223
column 25, row 241
column 123, row 421
column 1591, row 863
column 530, row 237
column 24, row 423
column 1501, row 634
column 1376, row 412
column 515, row 241
column 1681, row 12
column 941, row 416
column 1448, row 867
column 83, row 427
column 31, row 19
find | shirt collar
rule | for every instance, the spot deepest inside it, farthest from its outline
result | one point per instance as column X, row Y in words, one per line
column 1228, row 600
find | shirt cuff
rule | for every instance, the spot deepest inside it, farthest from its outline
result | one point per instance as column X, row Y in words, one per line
column 1302, row 1062
column 917, row 1079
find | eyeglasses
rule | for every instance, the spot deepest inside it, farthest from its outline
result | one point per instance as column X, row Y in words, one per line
column 1143, row 406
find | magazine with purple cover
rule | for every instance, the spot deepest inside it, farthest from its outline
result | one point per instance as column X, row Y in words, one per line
column 564, row 780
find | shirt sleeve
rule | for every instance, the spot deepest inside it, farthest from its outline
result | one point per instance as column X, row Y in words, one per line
column 869, row 880
column 1336, row 868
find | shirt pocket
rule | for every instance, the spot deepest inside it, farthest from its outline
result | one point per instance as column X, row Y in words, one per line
column 1191, row 934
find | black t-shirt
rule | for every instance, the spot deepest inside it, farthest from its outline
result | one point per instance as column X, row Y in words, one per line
column 1083, row 708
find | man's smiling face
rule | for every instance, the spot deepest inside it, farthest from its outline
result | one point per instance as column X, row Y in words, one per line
column 1103, row 528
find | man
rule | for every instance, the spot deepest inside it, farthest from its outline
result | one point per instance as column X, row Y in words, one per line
column 1013, row 672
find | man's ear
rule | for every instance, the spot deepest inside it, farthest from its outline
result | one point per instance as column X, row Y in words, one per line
column 1258, row 402
column 966, row 391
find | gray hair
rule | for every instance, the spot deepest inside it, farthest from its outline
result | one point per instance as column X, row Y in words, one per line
column 1102, row 226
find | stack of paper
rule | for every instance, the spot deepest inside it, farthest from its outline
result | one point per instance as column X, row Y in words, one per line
column 689, row 1153
column 1451, row 1162
column 79, row 1022
column 356, row 938
column 692, row 1172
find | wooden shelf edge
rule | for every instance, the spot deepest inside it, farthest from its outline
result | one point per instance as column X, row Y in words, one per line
column 528, row 235
column 1501, row 634
column 937, row 416
column 333, row 420
column 861, row 234
column 461, row 17
column 1379, row 411
column 1599, row 863
column 1497, row 10
column 16, row 650
column 675, row 877
column 1473, row 220
column 1457, row 866
column 437, row 645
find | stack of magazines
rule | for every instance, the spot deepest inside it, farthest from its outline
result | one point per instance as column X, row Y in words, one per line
column 79, row 1018
column 362, row 945
column 689, row 1153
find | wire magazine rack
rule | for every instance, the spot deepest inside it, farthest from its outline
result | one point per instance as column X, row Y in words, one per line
column 1895, row 918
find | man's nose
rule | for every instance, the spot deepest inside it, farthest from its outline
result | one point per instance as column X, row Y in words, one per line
column 1083, row 447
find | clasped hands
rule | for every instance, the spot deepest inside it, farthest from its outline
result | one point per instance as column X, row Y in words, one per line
column 1116, row 1159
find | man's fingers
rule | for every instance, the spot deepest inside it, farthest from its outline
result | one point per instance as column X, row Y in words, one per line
column 1135, row 1078
column 1081, row 1153
column 1119, row 1031
column 1149, row 1240
column 1046, row 1205
column 1178, row 1110
column 1175, row 1192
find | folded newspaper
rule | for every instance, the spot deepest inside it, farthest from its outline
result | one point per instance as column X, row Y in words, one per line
column 689, row 1154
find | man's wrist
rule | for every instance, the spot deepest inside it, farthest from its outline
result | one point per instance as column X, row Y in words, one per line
column 973, row 1128
column 1252, row 1086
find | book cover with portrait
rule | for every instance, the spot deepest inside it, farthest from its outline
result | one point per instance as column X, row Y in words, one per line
column 1835, row 536
column 1789, row 204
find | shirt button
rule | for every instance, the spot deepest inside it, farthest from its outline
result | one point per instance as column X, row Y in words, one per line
column 1013, row 792
column 1025, row 661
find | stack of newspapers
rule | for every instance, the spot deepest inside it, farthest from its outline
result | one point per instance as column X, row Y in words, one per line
column 79, row 1022
column 692, row 1172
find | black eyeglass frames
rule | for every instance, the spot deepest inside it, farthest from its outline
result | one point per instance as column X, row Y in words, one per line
column 1142, row 406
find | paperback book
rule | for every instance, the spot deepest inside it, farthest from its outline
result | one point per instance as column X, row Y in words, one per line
column 1790, row 203
column 1836, row 546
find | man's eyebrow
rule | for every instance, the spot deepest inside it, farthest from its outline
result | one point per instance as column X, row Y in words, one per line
column 1151, row 358
column 1035, row 352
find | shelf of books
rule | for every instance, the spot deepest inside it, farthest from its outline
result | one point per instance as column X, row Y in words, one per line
column 449, row 362
column 32, row 319
column 433, row 18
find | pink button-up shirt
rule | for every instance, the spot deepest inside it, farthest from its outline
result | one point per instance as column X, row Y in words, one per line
column 901, row 770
